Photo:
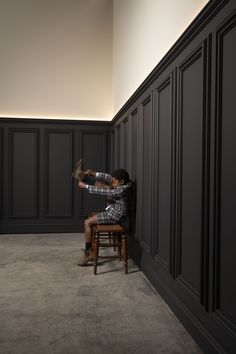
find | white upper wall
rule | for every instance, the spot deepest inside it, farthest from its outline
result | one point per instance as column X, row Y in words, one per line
column 143, row 32
column 83, row 59
column 56, row 58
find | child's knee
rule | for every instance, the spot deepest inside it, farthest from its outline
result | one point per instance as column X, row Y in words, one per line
column 86, row 223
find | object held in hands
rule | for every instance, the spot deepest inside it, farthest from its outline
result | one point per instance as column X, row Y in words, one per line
column 79, row 174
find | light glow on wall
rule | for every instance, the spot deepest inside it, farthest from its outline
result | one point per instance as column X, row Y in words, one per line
column 143, row 32
column 55, row 117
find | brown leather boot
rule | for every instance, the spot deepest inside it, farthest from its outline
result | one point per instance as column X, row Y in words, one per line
column 86, row 257
column 78, row 170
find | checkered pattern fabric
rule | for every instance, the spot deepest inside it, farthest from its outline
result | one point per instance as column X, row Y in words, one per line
column 118, row 210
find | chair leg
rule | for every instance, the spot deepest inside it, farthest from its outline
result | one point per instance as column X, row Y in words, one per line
column 96, row 250
column 124, row 253
column 93, row 238
column 119, row 245
column 114, row 237
column 110, row 237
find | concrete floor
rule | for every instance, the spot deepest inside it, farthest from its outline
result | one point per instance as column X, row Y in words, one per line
column 50, row 305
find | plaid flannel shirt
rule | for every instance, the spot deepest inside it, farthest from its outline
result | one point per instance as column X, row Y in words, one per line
column 119, row 209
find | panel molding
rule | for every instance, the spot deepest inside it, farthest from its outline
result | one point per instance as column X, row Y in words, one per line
column 201, row 52
column 206, row 192
column 223, row 30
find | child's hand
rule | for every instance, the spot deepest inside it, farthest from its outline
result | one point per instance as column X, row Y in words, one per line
column 82, row 185
column 90, row 173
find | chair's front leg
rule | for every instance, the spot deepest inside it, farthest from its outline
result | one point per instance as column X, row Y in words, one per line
column 96, row 248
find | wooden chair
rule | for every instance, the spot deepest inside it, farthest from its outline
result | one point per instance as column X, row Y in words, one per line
column 113, row 235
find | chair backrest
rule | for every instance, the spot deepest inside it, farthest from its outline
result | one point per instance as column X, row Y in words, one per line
column 130, row 220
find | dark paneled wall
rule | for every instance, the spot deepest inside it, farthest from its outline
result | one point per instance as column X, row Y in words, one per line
column 1, row 172
column 176, row 136
column 37, row 157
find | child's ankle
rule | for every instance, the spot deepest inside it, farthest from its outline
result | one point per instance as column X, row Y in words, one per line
column 88, row 247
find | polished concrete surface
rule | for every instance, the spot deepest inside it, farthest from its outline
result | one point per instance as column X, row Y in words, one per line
column 50, row 305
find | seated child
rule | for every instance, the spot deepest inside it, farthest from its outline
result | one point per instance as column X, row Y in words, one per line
column 117, row 188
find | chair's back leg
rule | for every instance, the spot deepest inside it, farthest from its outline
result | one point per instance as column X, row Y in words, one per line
column 124, row 253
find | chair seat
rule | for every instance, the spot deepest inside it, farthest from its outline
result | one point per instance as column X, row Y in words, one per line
column 113, row 228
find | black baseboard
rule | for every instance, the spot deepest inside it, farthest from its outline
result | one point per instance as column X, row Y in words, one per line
column 40, row 229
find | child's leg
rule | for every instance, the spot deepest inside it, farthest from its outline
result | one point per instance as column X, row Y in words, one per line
column 93, row 220
column 87, row 253
column 91, row 180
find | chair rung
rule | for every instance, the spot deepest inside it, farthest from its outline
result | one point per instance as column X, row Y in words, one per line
column 109, row 245
column 109, row 257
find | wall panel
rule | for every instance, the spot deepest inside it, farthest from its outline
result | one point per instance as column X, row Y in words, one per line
column 1, row 172
column 58, row 157
column 117, row 140
column 125, row 144
column 164, row 170
column 39, row 156
column 190, row 170
column 92, row 141
column 134, row 127
column 146, row 119
column 134, row 160
column 23, row 176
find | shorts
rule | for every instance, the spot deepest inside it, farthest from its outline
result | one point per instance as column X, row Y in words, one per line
column 105, row 218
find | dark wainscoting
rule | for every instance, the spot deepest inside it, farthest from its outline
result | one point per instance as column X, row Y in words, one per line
column 177, row 137
column 37, row 157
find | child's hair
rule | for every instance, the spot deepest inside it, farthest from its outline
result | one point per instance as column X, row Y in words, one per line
column 120, row 174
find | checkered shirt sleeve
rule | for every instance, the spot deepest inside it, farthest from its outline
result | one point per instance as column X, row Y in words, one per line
column 117, row 192
column 104, row 177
